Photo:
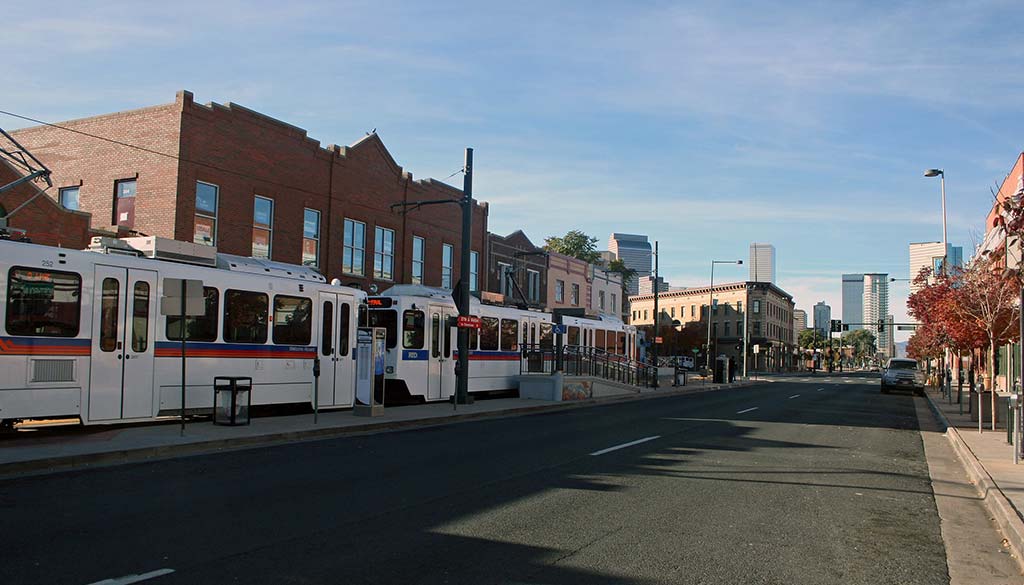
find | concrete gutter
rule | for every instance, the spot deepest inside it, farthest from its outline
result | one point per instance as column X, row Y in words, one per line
column 1003, row 512
column 143, row 454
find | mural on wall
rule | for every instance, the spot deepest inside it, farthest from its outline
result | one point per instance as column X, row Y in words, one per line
column 578, row 390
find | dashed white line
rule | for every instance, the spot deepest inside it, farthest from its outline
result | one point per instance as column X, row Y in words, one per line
column 820, row 389
column 624, row 445
column 794, row 396
column 127, row 579
column 747, row 410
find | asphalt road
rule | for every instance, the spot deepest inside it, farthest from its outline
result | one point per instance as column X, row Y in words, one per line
column 824, row 481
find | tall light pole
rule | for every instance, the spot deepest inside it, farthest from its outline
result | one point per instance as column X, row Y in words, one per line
column 945, row 247
column 711, row 301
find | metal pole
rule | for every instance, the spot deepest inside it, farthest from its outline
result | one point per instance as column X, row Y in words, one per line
column 184, row 332
column 462, row 369
column 711, row 299
column 316, row 389
column 657, row 317
column 942, row 183
column 746, row 331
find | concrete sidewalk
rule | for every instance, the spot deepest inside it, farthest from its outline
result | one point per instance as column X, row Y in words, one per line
column 988, row 460
column 50, row 450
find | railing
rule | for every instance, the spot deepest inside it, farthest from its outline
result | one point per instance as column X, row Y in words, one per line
column 575, row 360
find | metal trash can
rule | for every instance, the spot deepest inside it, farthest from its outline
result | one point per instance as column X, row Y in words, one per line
column 680, row 378
column 232, row 400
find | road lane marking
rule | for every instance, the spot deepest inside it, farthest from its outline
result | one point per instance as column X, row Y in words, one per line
column 820, row 389
column 747, row 410
column 127, row 579
column 624, row 445
column 794, row 396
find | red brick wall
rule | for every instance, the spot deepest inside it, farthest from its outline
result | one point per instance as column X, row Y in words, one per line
column 246, row 154
column 94, row 165
column 44, row 221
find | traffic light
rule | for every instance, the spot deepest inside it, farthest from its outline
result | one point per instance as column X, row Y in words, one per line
column 881, row 325
column 837, row 326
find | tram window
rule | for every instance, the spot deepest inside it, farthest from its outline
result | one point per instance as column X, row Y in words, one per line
column 509, row 335
column 199, row 328
column 245, row 316
column 599, row 341
column 474, row 338
column 108, row 314
column 293, row 320
column 526, row 329
column 620, row 343
column 533, row 333
column 413, row 330
column 344, row 319
column 546, row 339
column 489, row 333
column 435, row 335
column 43, row 302
column 327, row 328
column 140, row 317
column 574, row 335
column 388, row 319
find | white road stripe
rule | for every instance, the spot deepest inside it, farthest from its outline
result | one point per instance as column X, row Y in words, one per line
column 820, row 389
column 624, row 445
column 794, row 396
column 127, row 579
column 747, row 410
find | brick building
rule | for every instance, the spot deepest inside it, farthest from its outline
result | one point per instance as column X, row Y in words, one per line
column 225, row 175
column 769, row 322
column 575, row 284
column 525, row 262
column 43, row 221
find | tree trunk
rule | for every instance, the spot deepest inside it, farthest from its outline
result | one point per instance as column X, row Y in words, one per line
column 990, row 376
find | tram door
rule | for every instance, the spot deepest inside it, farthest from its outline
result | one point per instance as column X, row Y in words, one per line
column 123, row 336
column 441, row 363
column 337, row 368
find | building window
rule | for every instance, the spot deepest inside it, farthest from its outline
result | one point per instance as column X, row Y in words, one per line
column 714, row 330
column 69, row 198
column 354, row 246
column 739, row 306
column 447, row 259
column 559, row 291
column 417, row 260
column 693, row 310
column 575, row 294
column 727, row 328
column 757, row 327
column 645, row 314
column 504, row 274
column 262, row 226
column 384, row 253
column 756, row 306
column 615, row 305
column 533, row 285
column 474, row 271
column 205, row 231
column 311, row 237
column 124, row 202
column 671, row 311
column 600, row 299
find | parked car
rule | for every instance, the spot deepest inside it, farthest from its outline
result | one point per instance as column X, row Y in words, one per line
column 902, row 373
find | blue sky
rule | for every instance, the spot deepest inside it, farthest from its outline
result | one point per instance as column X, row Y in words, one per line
column 705, row 126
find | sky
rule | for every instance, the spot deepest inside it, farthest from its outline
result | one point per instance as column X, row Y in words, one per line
column 706, row 126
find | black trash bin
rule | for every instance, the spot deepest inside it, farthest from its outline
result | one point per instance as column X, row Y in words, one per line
column 232, row 400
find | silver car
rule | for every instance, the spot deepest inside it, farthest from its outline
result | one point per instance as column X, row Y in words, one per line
column 902, row 373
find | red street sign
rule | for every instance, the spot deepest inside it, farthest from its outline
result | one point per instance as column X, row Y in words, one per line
column 468, row 322
column 657, row 339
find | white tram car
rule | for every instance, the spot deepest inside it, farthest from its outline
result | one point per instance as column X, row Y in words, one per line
column 82, row 334
column 422, row 347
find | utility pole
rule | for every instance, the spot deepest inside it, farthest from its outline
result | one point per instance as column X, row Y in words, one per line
column 657, row 317
column 462, row 368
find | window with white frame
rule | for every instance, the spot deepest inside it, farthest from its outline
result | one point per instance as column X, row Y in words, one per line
column 205, row 225
column 559, row 291
column 533, row 285
column 474, row 273
column 503, row 276
column 310, row 237
column 69, row 198
column 447, row 258
column 262, row 226
column 384, row 253
column 418, row 247
column 615, row 306
column 354, row 246
column 575, row 294
column 600, row 299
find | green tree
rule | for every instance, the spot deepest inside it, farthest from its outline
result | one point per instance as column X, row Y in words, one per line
column 628, row 274
column 862, row 341
column 574, row 243
column 811, row 339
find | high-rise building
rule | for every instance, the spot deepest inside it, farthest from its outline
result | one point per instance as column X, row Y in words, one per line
column 822, row 318
column 929, row 255
column 646, row 285
column 762, row 262
column 853, row 300
column 635, row 252
column 876, row 308
column 799, row 322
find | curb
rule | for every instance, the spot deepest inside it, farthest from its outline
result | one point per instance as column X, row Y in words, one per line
column 143, row 454
column 1002, row 510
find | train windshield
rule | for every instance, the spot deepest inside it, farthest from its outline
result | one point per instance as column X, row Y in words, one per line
column 388, row 319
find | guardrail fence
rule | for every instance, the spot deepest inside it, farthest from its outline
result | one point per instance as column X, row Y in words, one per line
column 575, row 360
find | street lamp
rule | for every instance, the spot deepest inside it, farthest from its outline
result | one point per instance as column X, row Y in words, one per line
column 942, row 181
column 711, row 301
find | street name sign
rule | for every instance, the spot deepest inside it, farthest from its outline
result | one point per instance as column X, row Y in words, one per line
column 468, row 322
